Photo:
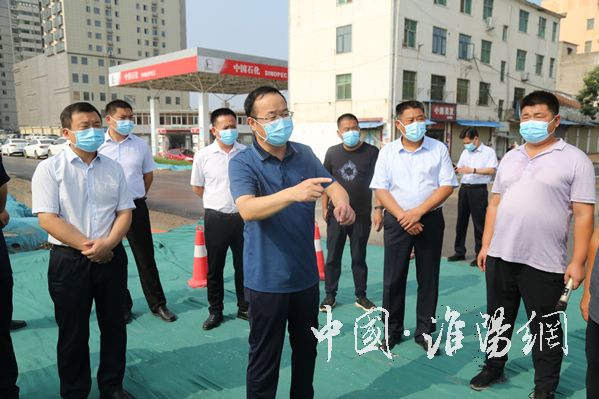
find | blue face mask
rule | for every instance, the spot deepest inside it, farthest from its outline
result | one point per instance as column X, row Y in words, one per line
column 89, row 140
column 414, row 131
column 534, row 131
column 470, row 147
column 351, row 138
column 124, row 127
column 228, row 136
column 278, row 132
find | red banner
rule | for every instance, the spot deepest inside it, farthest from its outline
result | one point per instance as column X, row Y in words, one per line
column 158, row 71
column 443, row 112
column 242, row 68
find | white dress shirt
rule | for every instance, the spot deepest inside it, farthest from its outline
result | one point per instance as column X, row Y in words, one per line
column 482, row 157
column 136, row 159
column 411, row 177
column 211, row 171
column 86, row 196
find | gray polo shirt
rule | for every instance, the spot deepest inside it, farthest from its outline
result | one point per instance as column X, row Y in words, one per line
column 594, row 288
column 534, row 214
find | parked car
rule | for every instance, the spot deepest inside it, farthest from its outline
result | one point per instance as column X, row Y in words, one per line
column 14, row 146
column 57, row 146
column 37, row 148
column 180, row 154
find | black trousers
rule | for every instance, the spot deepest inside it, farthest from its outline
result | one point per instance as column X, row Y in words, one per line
column 358, row 239
column 8, row 363
column 142, row 246
column 507, row 283
column 398, row 247
column 472, row 200
column 592, row 349
column 74, row 283
column 223, row 231
column 269, row 314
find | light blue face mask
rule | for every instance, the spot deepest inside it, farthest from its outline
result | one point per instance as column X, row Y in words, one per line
column 535, row 131
column 414, row 131
column 89, row 140
column 351, row 138
column 470, row 147
column 278, row 132
column 228, row 136
column 124, row 126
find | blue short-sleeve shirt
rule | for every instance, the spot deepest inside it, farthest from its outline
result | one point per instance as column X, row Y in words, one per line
column 278, row 252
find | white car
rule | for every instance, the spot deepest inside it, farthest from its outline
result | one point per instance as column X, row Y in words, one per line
column 14, row 146
column 57, row 146
column 37, row 148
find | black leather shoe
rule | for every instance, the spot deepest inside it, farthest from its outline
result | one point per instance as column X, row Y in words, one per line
column 128, row 316
column 474, row 263
column 242, row 314
column 392, row 343
column 422, row 342
column 213, row 321
column 121, row 394
column 17, row 324
column 165, row 314
column 455, row 258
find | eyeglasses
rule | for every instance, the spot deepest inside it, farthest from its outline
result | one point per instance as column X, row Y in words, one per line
column 286, row 114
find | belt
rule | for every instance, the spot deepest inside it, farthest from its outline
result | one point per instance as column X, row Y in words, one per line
column 64, row 248
column 221, row 213
column 474, row 185
column 140, row 199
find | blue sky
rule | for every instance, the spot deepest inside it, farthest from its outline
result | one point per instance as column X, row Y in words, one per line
column 256, row 27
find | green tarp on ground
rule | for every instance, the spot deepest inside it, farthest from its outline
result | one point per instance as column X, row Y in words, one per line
column 180, row 360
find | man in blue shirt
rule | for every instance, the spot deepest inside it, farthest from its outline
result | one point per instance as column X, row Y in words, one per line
column 413, row 177
column 8, row 363
column 275, row 184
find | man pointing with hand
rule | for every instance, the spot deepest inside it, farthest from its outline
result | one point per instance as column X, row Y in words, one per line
column 275, row 184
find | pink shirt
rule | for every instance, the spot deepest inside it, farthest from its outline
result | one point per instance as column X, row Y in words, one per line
column 534, row 214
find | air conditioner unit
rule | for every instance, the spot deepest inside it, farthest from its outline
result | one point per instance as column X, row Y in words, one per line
column 525, row 76
column 489, row 23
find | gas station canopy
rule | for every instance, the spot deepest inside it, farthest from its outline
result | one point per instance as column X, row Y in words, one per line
column 201, row 70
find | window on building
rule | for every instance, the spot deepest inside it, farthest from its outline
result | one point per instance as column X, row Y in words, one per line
column 83, row 60
column 74, row 59
column 102, row 96
column 466, row 6
column 518, row 94
column 113, row 96
column 102, row 79
column 439, row 40
column 178, row 100
column 100, row 62
column 520, row 60
column 504, row 33
column 90, row 47
column 344, row 36
column 89, row 22
column 551, row 67
column 502, row 71
column 484, row 91
column 462, row 91
column 523, row 24
column 590, row 23
column 343, row 87
column 167, row 100
column 409, row 85
column 437, row 88
column 409, row 33
column 464, row 47
column 98, row 36
column 542, row 26
column 588, row 46
column 99, row 49
column 96, row 10
column 85, row 96
column 89, row 35
column 487, row 9
column 84, row 78
column 75, row 77
column 539, row 64
column 97, row 23
column 441, row 2
column 485, row 52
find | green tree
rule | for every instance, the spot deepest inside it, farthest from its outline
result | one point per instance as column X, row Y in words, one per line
column 589, row 95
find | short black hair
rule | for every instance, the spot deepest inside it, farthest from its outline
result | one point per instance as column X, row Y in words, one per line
column 469, row 132
column 256, row 94
column 221, row 112
column 541, row 97
column 66, row 116
column 402, row 106
column 112, row 106
column 347, row 116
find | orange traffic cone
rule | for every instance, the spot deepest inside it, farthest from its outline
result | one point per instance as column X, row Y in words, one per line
column 200, row 261
column 319, row 254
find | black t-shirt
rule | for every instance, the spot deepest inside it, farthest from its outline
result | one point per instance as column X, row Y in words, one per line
column 354, row 170
column 4, row 259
